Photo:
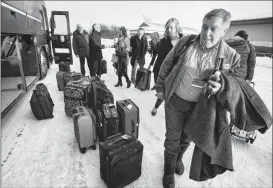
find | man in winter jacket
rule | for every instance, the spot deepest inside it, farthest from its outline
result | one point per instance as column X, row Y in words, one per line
column 240, row 42
column 95, row 53
column 139, row 46
column 80, row 47
column 182, row 78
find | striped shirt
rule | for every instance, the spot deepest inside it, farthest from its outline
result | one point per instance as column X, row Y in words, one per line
column 196, row 70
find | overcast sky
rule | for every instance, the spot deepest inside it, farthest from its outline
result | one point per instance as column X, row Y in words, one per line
column 132, row 13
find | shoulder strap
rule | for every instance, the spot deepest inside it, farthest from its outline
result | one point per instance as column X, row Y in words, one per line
column 185, row 47
column 187, row 44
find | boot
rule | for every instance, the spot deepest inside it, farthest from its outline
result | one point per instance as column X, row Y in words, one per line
column 168, row 177
column 118, row 84
column 179, row 169
column 129, row 84
column 154, row 111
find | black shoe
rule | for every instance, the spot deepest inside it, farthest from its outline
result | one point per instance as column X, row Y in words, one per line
column 153, row 88
column 129, row 84
column 179, row 169
column 118, row 84
column 168, row 181
column 154, row 111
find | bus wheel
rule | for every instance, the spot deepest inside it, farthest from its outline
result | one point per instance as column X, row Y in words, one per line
column 43, row 65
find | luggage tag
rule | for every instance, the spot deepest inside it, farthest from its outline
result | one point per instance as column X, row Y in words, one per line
column 198, row 84
column 129, row 106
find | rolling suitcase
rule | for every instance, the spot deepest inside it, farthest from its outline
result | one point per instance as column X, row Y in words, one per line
column 247, row 136
column 128, row 113
column 41, row 103
column 143, row 79
column 64, row 77
column 99, row 94
column 72, row 76
column 103, row 67
column 120, row 160
column 76, row 94
column 84, row 128
column 108, row 122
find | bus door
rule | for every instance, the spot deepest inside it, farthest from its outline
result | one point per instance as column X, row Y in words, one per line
column 61, row 37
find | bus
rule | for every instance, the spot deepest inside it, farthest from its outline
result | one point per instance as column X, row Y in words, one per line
column 30, row 43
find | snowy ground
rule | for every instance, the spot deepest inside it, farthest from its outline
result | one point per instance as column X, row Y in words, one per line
column 45, row 153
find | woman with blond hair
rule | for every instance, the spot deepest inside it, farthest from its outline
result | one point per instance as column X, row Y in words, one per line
column 122, row 48
column 171, row 37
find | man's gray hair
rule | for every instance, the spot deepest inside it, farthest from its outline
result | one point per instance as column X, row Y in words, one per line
column 141, row 28
column 79, row 26
column 221, row 13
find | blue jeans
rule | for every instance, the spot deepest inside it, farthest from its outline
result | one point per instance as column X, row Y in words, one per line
column 177, row 112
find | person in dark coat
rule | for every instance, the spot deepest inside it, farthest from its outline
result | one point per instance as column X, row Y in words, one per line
column 171, row 36
column 95, row 53
column 154, row 43
column 182, row 79
column 139, row 47
column 80, row 47
column 122, row 48
column 240, row 42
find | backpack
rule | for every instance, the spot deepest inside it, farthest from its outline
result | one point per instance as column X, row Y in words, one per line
column 100, row 95
column 41, row 103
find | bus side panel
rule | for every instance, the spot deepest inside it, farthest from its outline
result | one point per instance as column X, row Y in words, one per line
column 8, row 22
column 30, row 7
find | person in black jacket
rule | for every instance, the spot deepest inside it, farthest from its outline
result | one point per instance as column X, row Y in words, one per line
column 241, row 43
column 154, row 50
column 139, row 46
column 95, row 53
column 80, row 47
column 171, row 37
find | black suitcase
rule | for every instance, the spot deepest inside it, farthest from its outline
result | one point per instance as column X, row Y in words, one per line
column 108, row 122
column 41, row 103
column 128, row 113
column 143, row 79
column 120, row 160
column 103, row 67
column 64, row 66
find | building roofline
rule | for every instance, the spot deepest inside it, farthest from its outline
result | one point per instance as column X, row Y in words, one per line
column 266, row 20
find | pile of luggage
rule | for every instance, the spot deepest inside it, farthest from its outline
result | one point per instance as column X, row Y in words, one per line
column 91, row 105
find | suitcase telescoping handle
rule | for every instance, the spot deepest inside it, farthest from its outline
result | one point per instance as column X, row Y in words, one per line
column 117, row 140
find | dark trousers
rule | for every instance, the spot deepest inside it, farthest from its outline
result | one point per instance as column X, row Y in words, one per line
column 158, row 101
column 177, row 112
column 123, row 73
column 96, row 68
column 155, row 77
column 82, row 62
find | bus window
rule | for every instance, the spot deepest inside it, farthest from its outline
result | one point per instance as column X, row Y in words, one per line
column 60, row 23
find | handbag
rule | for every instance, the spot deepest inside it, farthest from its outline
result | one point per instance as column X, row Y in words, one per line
column 114, row 58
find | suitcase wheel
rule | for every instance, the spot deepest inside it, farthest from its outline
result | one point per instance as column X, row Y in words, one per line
column 251, row 141
column 247, row 140
column 93, row 147
column 82, row 150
